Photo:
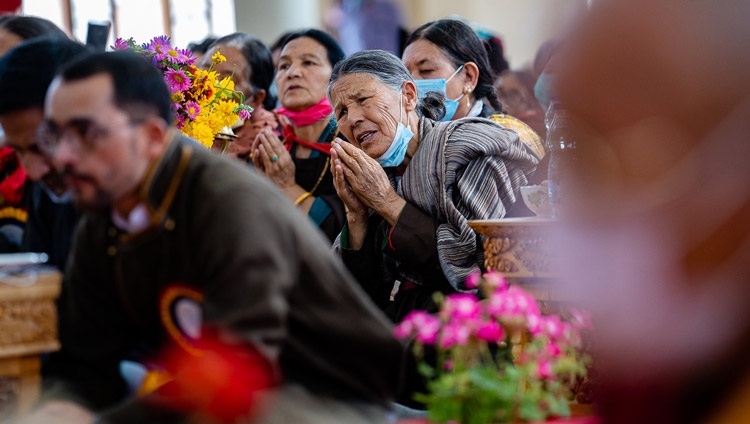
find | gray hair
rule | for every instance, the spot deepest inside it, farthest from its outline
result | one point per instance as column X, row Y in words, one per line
column 389, row 70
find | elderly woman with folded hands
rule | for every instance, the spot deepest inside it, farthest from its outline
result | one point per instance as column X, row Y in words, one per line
column 409, row 183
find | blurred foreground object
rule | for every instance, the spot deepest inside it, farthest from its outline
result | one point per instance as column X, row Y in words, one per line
column 658, row 233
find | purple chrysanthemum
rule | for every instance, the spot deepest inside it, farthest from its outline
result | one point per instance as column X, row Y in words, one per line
column 122, row 44
column 159, row 46
column 192, row 109
column 177, row 81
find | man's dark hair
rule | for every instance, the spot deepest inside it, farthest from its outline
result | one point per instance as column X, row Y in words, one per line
column 258, row 57
column 28, row 27
column 27, row 70
column 334, row 50
column 138, row 85
column 461, row 44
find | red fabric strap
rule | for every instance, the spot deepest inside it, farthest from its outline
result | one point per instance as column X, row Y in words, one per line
column 290, row 137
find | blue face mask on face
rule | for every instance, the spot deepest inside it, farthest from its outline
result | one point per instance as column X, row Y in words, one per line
column 395, row 154
column 439, row 84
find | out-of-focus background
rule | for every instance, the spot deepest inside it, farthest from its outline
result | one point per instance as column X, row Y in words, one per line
column 522, row 25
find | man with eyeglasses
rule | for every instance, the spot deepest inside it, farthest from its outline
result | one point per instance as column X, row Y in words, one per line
column 178, row 245
column 25, row 73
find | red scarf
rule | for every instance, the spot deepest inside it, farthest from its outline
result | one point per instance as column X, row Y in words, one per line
column 308, row 116
column 290, row 138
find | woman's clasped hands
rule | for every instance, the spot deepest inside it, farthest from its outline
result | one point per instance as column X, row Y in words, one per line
column 362, row 183
column 271, row 157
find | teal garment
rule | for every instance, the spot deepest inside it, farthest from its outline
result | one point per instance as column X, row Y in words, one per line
column 327, row 211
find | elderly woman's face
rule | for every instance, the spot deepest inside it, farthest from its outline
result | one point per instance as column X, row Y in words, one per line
column 367, row 112
column 302, row 73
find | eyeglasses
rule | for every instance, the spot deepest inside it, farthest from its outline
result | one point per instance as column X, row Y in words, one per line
column 83, row 134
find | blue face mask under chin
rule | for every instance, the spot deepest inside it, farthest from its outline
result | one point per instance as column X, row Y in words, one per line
column 439, row 85
column 396, row 153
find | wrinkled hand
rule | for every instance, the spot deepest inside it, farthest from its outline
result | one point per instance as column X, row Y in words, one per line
column 266, row 147
column 367, row 180
column 352, row 203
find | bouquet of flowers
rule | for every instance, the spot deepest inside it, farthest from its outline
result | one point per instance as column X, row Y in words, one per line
column 203, row 103
column 498, row 359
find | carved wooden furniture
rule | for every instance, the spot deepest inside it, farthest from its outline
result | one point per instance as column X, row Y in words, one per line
column 28, row 327
column 520, row 248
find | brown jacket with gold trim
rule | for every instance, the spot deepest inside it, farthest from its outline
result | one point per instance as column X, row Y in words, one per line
column 265, row 274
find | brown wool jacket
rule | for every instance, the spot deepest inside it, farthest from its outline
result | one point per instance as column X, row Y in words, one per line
column 263, row 271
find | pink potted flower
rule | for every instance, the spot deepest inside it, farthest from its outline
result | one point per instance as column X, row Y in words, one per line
column 499, row 359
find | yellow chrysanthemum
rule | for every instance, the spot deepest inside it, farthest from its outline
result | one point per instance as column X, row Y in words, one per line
column 200, row 132
column 178, row 98
column 226, row 84
column 224, row 107
column 218, row 58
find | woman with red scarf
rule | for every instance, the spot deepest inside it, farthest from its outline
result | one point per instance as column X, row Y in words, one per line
column 300, row 164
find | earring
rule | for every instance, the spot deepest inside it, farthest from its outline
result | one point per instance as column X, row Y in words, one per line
column 468, row 100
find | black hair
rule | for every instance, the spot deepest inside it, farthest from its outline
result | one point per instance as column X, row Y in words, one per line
column 280, row 41
column 202, row 46
column 138, row 85
column 28, row 27
column 335, row 52
column 27, row 70
column 496, row 54
column 258, row 56
column 461, row 44
column 391, row 71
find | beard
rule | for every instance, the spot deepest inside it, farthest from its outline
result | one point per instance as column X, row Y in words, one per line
column 93, row 200
column 100, row 202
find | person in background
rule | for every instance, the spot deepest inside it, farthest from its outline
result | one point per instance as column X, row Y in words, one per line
column 249, row 65
column 447, row 56
column 199, row 48
column 14, row 29
column 275, row 48
column 300, row 166
column 15, row 193
column 366, row 25
column 410, row 184
column 515, row 89
column 660, row 206
column 160, row 263
column 25, row 74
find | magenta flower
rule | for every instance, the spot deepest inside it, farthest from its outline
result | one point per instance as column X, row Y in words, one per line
column 454, row 334
column 423, row 325
column 177, row 80
column 244, row 114
column 495, row 280
column 472, row 281
column 552, row 326
column 553, row 350
column 186, row 56
column 159, row 46
column 461, row 307
column 122, row 44
column 490, row 331
column 192, row 109
column 544, row 370
column 513, row 304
